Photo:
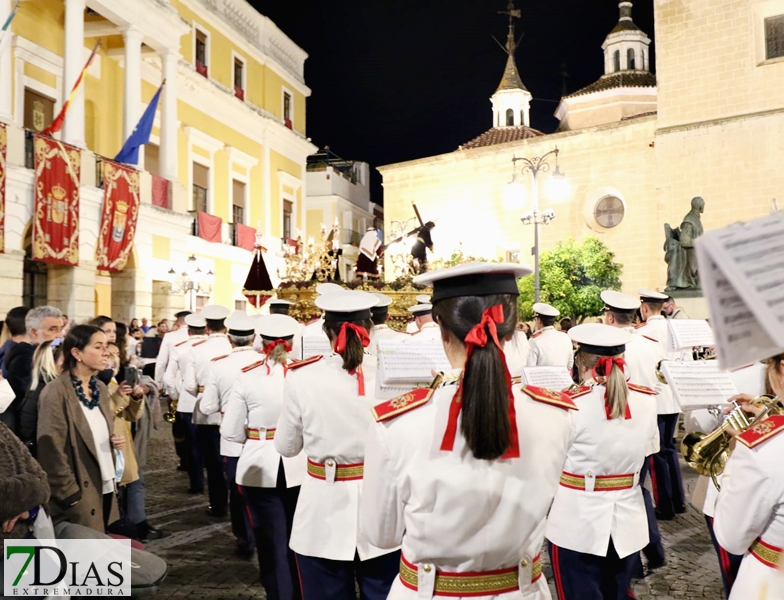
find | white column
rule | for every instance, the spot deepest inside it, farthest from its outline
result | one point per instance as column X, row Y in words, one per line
column 168, row 151
column 132, row 84
column 6, row 111
column 73, row 128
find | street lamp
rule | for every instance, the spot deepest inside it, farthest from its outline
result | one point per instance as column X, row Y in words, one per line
column 557, row 189
column 191, row 280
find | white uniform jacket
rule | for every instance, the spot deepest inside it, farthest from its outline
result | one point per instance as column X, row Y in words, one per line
column 324, row 415
column 429, row 331
column 551, row 348
column 453, row 511
column 583, row 520
column 516, row 351
column 198, row 370
column 168, row 342
column 642, row 356
column 383, row 332
column 705, row 493
column 256, row 400
column 655, row 330
column 751, row 506
column 222, row 373
column 181, row 358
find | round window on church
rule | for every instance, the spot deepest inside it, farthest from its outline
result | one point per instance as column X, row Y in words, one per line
column 609, row 211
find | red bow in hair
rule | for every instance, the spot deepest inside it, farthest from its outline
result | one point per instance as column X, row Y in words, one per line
column 605, row 365
column 340, row 346
column 267, row 349
column 478, row 336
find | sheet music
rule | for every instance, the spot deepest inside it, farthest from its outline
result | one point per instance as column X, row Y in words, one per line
column 742, row 337
column 410, row 362
column 387, row 392
column 699, row 383
column 553, row 378
column 687, row 333
column 313, row 345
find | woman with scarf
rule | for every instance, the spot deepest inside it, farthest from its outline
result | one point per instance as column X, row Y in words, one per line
column 598, row 524
column 326, row 412
column 462, row 474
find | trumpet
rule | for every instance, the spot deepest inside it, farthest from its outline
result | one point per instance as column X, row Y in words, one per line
column 707, row 453
column 659, row 374
column 170, row 415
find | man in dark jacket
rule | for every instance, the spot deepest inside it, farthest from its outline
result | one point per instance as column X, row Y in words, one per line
column 15, row 324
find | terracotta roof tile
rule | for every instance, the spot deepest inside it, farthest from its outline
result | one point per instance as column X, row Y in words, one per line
column 621, row 79
column 501, row 135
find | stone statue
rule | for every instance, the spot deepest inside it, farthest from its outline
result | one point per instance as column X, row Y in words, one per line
column 679, row 252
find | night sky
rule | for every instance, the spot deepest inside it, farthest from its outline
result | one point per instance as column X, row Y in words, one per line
column 398, row 80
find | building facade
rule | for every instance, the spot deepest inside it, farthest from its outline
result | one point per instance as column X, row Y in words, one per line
column 635, row 147
column 229, row 140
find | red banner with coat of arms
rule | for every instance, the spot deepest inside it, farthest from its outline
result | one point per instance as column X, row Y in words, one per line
column 56, row 219
column 3, row 146
column 120, row 215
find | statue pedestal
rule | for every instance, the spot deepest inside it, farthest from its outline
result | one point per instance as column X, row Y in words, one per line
column 692, row 302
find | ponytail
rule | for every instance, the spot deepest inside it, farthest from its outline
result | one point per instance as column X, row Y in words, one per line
column 279, row 354
column 617, row 395
column 485, row 422
column 353, row 350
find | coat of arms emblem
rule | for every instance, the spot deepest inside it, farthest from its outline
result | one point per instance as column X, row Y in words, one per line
column 119, row 221
column 39, row 115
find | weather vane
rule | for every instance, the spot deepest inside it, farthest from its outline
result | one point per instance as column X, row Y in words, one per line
column 513, row 13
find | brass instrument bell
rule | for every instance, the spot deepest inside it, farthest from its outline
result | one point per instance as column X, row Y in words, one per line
column 171, row 415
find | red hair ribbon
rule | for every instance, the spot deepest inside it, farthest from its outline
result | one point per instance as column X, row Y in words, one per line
column 268, row 348
column 340, row 346
column 478, row 336
column 605, row 365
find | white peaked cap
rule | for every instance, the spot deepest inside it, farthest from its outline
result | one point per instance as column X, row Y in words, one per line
column 651, row 295
column 335, row 305
column 545, row 310
column 597, row 338
column 195, row 321
column 619, row 300
column 213, row 312
column 329, row 288
column 420, row 308
column 240, row 324
column 275, row 327
column 383, row 300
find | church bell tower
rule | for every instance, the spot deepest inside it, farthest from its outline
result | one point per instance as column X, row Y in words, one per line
column 511, row 101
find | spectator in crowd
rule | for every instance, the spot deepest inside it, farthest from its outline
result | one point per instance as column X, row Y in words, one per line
column 525, row 328
column 670, row 309
column 47, row 363
column 66, row 324
column 134, row 324
column 135, row 336
column 565, row 324
column 14, row 331
column 126, row 357
column 75, row 442
column 43, row 323
column 106, row 325
column 162, row 328
column 145, row 326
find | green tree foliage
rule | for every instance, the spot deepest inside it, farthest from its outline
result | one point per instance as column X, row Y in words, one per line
column 572, row 275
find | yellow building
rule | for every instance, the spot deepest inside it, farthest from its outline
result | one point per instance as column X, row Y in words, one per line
column 635, row 147
column 229, row 139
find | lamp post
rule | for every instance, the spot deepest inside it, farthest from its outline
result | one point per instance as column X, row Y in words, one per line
column 558, row 189
column 190, row 281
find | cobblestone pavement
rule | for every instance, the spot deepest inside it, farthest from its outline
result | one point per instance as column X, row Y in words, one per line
column 199, row 548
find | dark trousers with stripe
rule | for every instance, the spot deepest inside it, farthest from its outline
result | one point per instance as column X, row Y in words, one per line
column 218, row 490
column 271, row 512
column 667, row 482
column 194, row 463
column 240, row 518
column 580, row 576
column 728, row 563
column 654, row 551
column 178, row 434
column 324, row 579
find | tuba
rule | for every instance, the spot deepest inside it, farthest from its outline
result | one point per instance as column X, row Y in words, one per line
column 171, row 415
column 707, row 453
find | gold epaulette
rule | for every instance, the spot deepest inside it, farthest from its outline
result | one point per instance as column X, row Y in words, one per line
column 549, row 397
column 181, row 343
column 296, row 364
column 641, row 388
column 218, row 358
column 762, row 431
column 517, row 380
column 578, row 391
column 258, row 363
column 198, row 343
column 643, row 324
column 401, row 404
column 537, row 334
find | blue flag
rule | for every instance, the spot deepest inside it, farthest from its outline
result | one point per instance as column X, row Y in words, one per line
column 141, row 134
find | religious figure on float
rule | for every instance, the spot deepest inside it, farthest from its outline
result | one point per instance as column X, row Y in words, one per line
column 679, row 252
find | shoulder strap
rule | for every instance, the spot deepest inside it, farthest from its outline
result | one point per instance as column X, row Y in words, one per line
column 401, row 404
column 199, row 343
column 217, row 358
column 761, row 432
column 252, row 366
column 180, row 343
column 551, row 397
column 296, row 364
column 578, row 391
column 536, row 335
column 641, row 388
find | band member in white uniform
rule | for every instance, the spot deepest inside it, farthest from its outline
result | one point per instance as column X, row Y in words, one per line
column 642, row 357
column 223, row 371
column 171, row 339
column 749, row 515
column 463, row 475
column 667, row 483
column 277, row 306
column 327, row 412
column 597, row 524
column 182, row 356
column 379, row 314
column 270, row 484
column 423, row 317
column 549, row 347
column 208, row 426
